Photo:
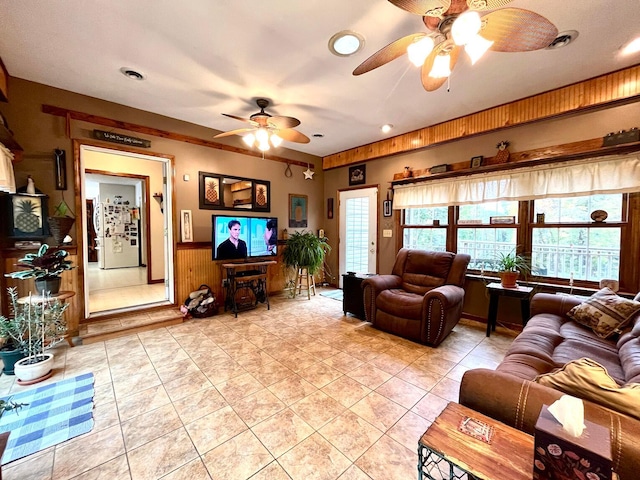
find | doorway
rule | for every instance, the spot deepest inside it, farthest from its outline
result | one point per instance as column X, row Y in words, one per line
column 132, row 235
column 358, row 212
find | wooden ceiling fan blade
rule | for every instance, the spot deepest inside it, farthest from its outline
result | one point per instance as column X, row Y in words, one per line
column 517, row 30
column 430, row 8
column 291, row 135
column 431, row 84
column 246, row 120
column 481, row 5
column 386, row 54
column 234, row 132
column 280, row 121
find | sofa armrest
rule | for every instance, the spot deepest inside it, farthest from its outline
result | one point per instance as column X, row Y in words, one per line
column 554, row 304
column 517, row 402
column 450, row 295
column 371, row 288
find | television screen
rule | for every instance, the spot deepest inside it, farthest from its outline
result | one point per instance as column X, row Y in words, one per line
column 237, row 237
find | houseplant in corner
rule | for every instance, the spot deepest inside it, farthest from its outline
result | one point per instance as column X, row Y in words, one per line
column 44, row 267
column 303, row 250
column 509, row 266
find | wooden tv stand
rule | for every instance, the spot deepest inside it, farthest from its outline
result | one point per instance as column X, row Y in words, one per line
column 246, row 285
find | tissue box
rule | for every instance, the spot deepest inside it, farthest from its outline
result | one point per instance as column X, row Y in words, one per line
column 559, row 456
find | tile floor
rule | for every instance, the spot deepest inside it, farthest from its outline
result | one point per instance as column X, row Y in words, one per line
column 297, row 392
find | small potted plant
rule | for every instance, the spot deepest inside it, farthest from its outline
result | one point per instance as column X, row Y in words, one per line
column 304, row 250
column 509, row 266
column 61, row 222
column 14, row 343
column 44, row 267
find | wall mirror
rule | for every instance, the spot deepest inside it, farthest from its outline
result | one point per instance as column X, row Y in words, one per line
column 227, row 192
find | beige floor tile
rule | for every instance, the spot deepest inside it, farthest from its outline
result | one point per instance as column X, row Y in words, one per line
column 135, row 383
column 379, row 411
column 74, row 458
column 116, row 468
column 282, row 432
column 350, row 434
column 272, row 373
column 214, row 429
column 254, row 360
column 239, row 387
column 185, row 385
column 354, row 473
column 314, row 458
column 170, row 371
column 149, row 426
column 430, row 406
column 299, row 361
column 320, row 374
column 343, row 362
column 258, row 407
column 389, row 460
column 292, row 389
column 457, row 372
column 346, row 391
column 448, row 389
column 199, row 404
column 161, row 456
column 435, row 364
column 221, row 371
column 369, row 376
column 318, row 409
column 401, row 392
column 194, row 470
column 238, row 458
column 38, row 466
column 419, row 377
column 320, row 350
column 389, row 363
column 273, row 471
column 408, row 430
column 142, row 402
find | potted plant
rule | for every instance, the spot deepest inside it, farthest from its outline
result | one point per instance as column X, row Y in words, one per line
column 34, row 325
column 509, row 266
column 61, row 222
column 304, row 250
column 13, row 336
column 45, row 267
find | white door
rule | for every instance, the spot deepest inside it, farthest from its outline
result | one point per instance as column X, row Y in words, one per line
column 358, row 231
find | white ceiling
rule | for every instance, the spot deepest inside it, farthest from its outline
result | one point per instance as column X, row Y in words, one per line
column 205, row 57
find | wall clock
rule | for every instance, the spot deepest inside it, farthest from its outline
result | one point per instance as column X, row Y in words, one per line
column 27, row 216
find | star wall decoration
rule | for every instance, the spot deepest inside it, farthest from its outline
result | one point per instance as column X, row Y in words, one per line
column 308, row 174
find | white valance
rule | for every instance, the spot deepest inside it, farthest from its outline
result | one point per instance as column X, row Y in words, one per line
column 7, row 178
column 619, row 174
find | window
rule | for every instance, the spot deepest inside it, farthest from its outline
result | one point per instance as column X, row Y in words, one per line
column 558, row 234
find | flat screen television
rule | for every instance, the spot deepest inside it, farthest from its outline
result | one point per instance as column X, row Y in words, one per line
column 257, row 237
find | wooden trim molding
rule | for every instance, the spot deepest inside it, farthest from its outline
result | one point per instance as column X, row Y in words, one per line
column 132, row 127
column 608, row 90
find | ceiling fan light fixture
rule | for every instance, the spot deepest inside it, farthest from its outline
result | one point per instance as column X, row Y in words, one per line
column 419, row 50
column 249, row 139
column 465, row 27
column 477, row 47
column 441, row 66
column 276, row 140
column 262, row 136
column 263, row 146
column 346, row 43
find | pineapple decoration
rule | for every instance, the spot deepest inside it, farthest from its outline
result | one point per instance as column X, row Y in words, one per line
column 211, row 192
column 26, row 220
column 261, row 198
column 503, row 152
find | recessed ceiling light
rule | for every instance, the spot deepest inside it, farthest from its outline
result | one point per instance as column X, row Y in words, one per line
column 132, row 74
column 346, row 43
column 632, row 47
column 563, row 39
column 386, row 128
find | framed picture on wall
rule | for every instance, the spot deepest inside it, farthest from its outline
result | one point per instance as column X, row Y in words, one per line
column 297, row 210
column 210, row 191
column 357, row 175
column 261, row 195
column 186, row 226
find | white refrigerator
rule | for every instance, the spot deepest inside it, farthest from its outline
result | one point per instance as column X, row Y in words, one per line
column 118, row 235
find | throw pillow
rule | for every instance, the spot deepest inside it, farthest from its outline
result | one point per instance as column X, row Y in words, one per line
column 586, row 378
column 604, row 312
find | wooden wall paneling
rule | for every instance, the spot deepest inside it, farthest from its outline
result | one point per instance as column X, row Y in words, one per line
column 608, row 89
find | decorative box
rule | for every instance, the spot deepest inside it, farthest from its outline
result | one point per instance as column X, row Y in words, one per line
column 623, row 136
column 439, row 169
column 559, row 455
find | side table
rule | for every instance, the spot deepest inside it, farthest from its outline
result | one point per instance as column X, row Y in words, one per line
column 352, row 300
column 446, row 452
column 496, row 290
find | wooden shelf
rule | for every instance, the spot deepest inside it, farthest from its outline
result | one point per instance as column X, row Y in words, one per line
column 6, row 138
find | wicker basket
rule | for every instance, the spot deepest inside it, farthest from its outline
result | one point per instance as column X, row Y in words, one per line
column 59, row 227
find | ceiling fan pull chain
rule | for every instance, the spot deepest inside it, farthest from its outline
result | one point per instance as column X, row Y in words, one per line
column 448, row 83
column 287, row 171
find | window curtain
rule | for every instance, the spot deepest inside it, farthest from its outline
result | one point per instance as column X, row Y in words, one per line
column 7, row 178
column 620, row 174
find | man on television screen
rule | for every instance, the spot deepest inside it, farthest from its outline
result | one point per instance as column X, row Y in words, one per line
column 232, row 247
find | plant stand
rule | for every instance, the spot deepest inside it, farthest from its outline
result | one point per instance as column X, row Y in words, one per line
column 305, row 281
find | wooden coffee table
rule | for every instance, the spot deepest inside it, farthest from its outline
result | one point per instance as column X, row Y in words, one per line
column 446, row 452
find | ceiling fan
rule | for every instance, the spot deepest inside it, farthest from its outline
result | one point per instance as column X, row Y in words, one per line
column 456, row 24
column 266, row 129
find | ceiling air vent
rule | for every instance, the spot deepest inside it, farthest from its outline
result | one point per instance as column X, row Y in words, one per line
column 563, row 39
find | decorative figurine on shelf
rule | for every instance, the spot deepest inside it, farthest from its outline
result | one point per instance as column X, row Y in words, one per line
column 31, row 186
column 503, row 152
column 407, row 172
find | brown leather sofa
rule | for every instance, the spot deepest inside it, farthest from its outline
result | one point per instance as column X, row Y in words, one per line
column 422, row 298
column 548, row 342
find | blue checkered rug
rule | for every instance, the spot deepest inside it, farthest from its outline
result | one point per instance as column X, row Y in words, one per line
column 55, row 412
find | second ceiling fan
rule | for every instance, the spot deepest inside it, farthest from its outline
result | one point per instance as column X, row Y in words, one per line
column 456, row 24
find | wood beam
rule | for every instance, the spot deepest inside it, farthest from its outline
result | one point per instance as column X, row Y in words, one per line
column 608, row 90
column 132, row 127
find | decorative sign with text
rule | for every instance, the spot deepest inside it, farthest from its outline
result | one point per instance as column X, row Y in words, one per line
column 122, row 139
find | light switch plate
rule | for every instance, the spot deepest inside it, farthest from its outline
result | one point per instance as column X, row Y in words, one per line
column 387, row 233
column 185, row 177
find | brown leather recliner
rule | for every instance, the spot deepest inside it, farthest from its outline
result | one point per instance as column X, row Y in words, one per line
column 422, row 298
